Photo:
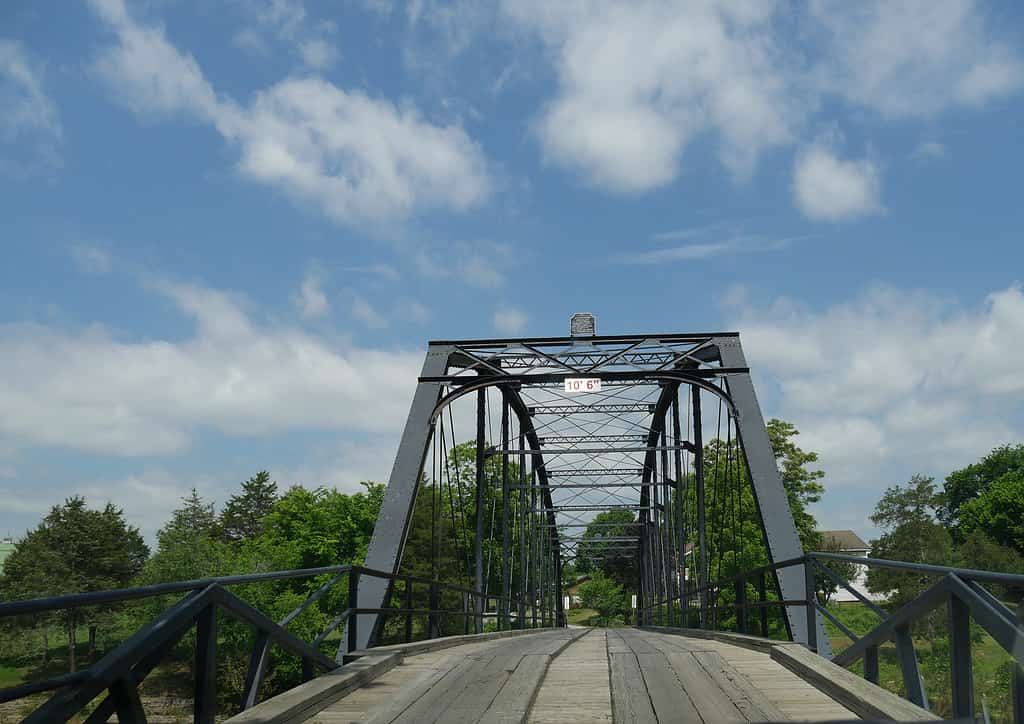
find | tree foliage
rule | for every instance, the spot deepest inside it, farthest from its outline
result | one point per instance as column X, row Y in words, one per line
column 604, row 595
column 968, row 483
column 997, row 512
column 75, row 550
column 912, row 533
column 609, row 558
column 243, row 514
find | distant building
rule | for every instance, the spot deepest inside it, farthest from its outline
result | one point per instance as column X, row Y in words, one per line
column 572, row 591
column 848, row 542
column 6, row 548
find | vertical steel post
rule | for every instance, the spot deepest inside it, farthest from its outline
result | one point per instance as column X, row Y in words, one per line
column 534, row 544
column 434, row 604
column 698, row 474
column 762, row 597
column 665, row 527
column 1017, row 683
column 741, row 605
column 871, row 664
column 353, row 619
column 408, row 611
column 478, row 548
column 506, row 552
column 204, row 705
column 680, row 562
column 522, row 529
column 960, row 674
column 812, row 612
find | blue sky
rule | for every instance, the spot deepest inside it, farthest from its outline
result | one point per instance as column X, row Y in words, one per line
column 228, row 232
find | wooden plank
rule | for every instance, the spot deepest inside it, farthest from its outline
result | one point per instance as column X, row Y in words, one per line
column 512, row 704
column 303, row 701
column 469, row 704
column 577, row 689
column 856, row 694
column 743, row 694
column 414, row 690
column 670, row 701
column 431, row 704
column 630, row 702
column 708, row 698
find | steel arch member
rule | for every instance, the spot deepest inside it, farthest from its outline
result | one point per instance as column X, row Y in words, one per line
column 776, row 519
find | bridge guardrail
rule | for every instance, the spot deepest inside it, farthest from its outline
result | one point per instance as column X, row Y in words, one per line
column 123, row 669
column 959, row 589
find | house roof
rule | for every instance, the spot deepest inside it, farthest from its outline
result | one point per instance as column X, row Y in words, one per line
column 845, row 540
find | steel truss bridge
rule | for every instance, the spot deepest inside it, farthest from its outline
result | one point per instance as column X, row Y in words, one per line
column 521, row 457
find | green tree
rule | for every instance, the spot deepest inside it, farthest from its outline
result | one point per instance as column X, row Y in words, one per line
column 189, row 545
column 243, row 514
column 802, row 483
column 75, row 550
column 968, row 483
column 604, row 595
column 912, row 533
column 997, row 512
column 611, row 558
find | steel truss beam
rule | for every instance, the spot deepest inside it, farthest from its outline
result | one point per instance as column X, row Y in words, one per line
column 674, row 362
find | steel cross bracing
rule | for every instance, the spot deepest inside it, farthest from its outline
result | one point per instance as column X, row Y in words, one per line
column 548, row 461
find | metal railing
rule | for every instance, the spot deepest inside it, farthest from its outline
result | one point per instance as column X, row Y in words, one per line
column 959, row 589
column 120, row 672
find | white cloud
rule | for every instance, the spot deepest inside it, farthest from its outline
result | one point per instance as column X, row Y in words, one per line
column 311, row 300
column 318, row 53
column 358, row 159
column 639, row 82
column 928, row 150
column 916, row 57
column 704, row 250
column 30, row 117
column 480, row 264
column 88, row 390
column 367, row 314
column 829, row 188
column 509, row 320
column 92, row 258
column 412, row 310
column 893, row 382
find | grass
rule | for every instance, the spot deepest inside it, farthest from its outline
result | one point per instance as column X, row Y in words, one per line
column 581, row 616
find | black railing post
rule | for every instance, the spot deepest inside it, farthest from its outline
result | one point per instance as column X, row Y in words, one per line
column 433, row 630
column 908, row 666
column 465, row 613
column 353, row 607
column 960, row 675
column 408, row 611
column 204, row 705
column 741, row 605
column 1017, row 683
column 812, row 611
column 762, row 598
column 871, row 664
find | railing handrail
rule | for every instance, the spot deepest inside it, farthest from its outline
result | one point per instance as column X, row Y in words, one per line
column 117, row 595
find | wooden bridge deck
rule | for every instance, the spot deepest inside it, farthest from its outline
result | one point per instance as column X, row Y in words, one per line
column 576, row 675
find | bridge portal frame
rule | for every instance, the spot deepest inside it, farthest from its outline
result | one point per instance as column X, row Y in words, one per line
column 584, row 357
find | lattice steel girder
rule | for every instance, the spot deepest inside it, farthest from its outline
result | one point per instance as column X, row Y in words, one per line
column 694, row 360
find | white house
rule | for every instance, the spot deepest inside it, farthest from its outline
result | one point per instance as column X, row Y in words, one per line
column 848, row 542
